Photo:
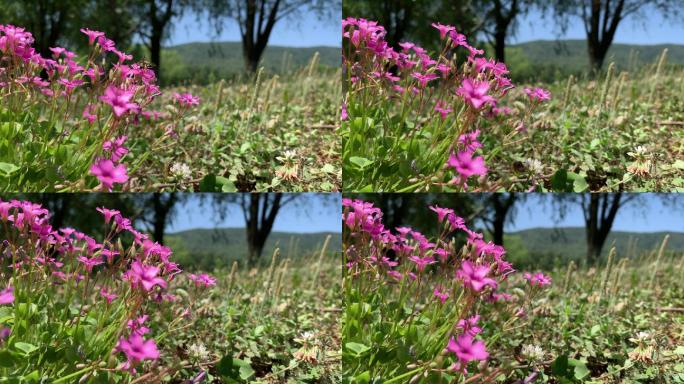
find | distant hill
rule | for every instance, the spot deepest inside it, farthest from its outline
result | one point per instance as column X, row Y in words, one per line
column 203, row 61
column 559, row 245
column 548, row 60
column 209, row 248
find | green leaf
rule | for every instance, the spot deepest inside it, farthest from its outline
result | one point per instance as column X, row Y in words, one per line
column 678, row 164
column 328, row 168
column 357, row 348
column 246, row 371
column 360, row 162
column 232, row 369
column 7, row 360
column 225, row 184
column 362, row 378
column 581, row 370
column 560, row 365
column 208, row 183
column 559, row 180
column 25, row 347
column 595, row 330
column 580, row 185
column 8, row 169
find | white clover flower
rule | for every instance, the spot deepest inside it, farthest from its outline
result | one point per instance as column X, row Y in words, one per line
column 535, row 166
column 198, row 352
column 181, row 170
column 532, row 352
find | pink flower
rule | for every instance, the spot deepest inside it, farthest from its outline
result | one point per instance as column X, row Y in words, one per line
column 137, row 326
column 186, row 99
column 442, row 296
column 467, row 349
column 423, row 78
column 92, row 35
column 344, row 116
column 108, row 173
column 145, row 276
column 108, row 213
column 137, row 349
column 5, row 333
column 475, row 276
column 456, row 222
column 108, row 296
column 119, row 99
column 475, row 92
column 422, row 262
column 116, row 147
column 7, row 296
column 538, row 94
column 441, row 212
column 538, row 279
column 203, row 280
column 466, row 165
column 469, row 325
column 469, row 140
column 440, row 108
column 443, row 29
column 88, row 113
column 90, row 263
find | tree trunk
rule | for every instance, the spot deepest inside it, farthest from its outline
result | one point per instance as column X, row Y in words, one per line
column 596, row 55
column 502, row 207
column 155, row 51
column 162, row 208
column 500, row 46
column 255, row 249
column 599, row 215
column 260, row 213
column 252, row 58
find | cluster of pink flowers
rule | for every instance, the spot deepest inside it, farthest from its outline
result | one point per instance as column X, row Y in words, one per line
column 186, row 99
column 148, row 271
column 7, row 296
column 480, row 274
column 537, row 279
column 127, row 90
column 202, row 280
column 480, row 85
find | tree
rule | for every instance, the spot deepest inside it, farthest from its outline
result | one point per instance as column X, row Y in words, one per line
column 260, row 211
column 48, row 20
column 602, row 17
column 158, row 211
column 154, row 22
column 398, row 17
column 498, row 209
column 498, row 20
column 257, row 18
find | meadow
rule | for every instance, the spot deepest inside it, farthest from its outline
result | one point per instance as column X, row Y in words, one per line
column 452, row 309
column 453, row 120
column 118, row 309
column 100, row 121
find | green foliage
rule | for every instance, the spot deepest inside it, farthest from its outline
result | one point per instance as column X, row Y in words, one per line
column 255, row 135
column 546, row 248
column 210, row 249
column 263, row 326
column 206, row 63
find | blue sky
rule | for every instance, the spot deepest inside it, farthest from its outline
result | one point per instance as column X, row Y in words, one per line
column 648, row 215
column 305, row 31
column 650, row 28
column 316, row 215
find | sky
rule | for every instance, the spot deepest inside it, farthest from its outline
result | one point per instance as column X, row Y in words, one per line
column 649, row 215
column 308, row 30
column 316, row 215
column 647, row 30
